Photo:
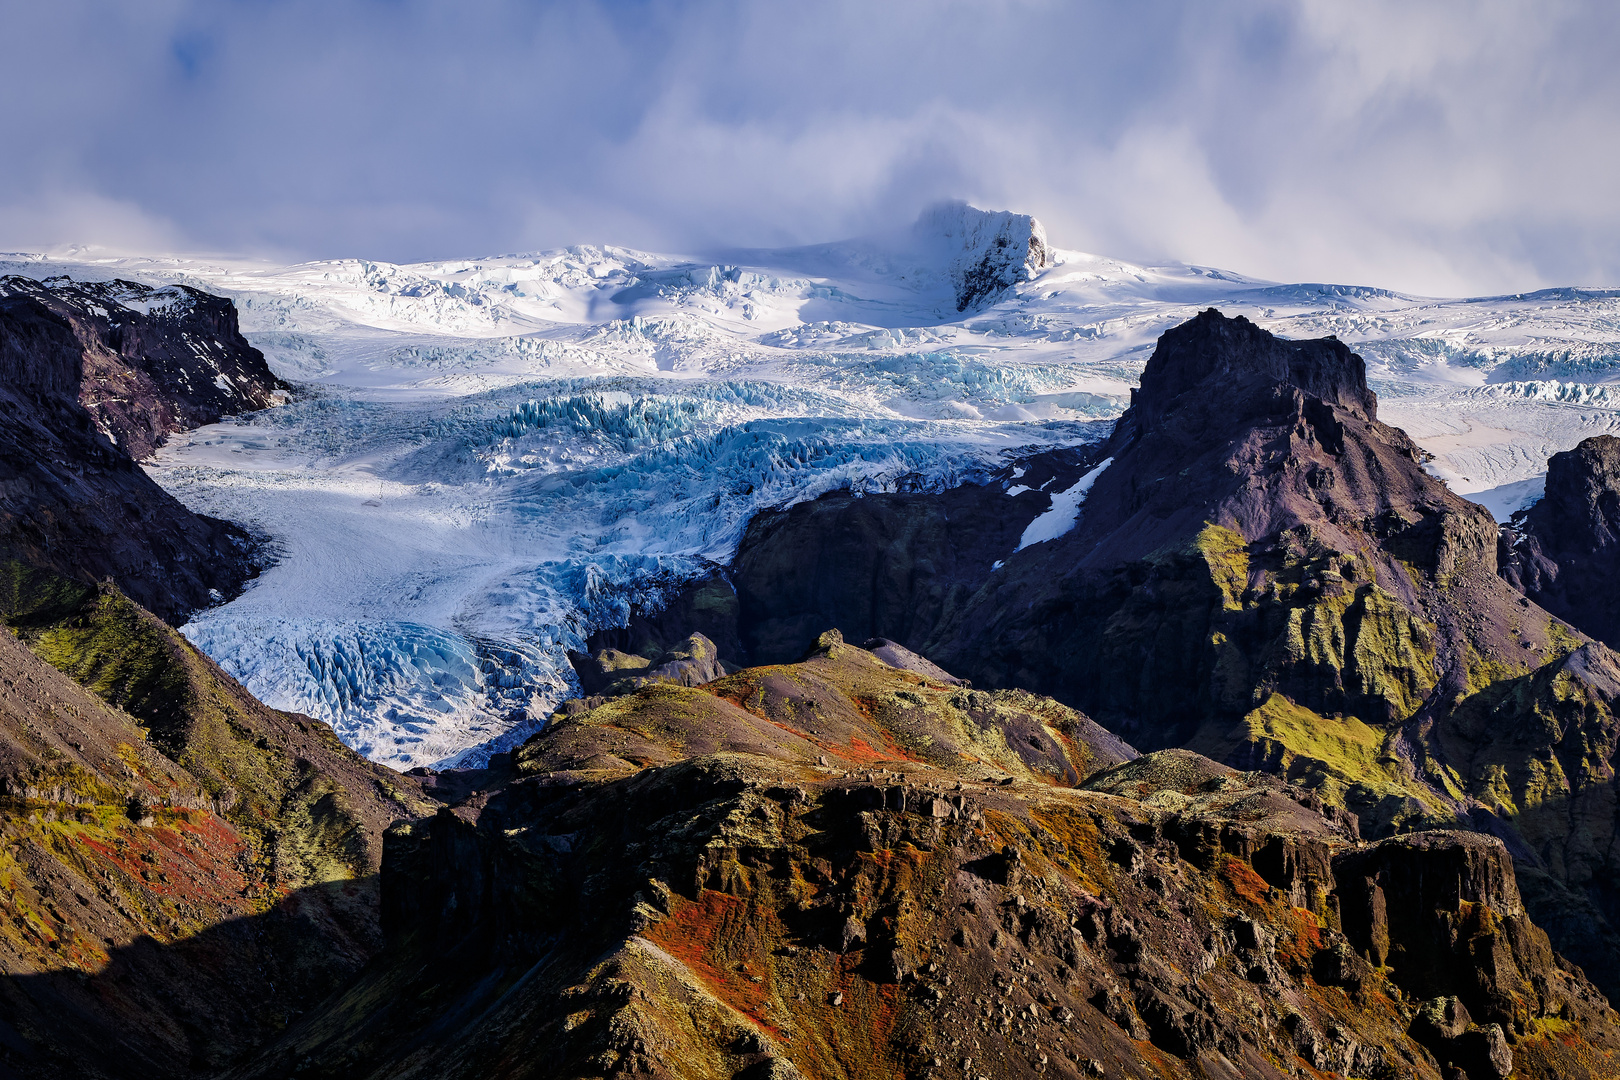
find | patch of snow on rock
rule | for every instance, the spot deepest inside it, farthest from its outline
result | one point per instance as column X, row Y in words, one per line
column 1064, row 512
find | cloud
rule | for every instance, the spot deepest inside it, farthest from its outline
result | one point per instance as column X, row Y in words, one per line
column 1439, row 148
column 57, row 222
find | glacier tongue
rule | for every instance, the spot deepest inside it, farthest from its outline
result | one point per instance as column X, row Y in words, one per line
column 398, row 692
column 490, row 458
column 442, row 555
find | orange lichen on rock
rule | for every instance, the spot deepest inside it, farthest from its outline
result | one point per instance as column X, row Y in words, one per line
column 862, row 752
column 704, row 936
column 1244, row 881
column 1302, row 940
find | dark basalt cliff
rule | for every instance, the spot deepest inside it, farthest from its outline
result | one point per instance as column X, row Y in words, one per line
column 888, row 565
column 1564, row 552
column 842, row 868
column 86, row 386
column 153, row 361
column 1262, row 572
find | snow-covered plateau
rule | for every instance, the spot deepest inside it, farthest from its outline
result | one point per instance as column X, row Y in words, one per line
column 488, row 459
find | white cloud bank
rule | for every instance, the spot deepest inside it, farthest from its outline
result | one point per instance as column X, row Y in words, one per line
column 1442, row 148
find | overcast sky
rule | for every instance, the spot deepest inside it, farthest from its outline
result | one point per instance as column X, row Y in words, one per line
column 1443, row 148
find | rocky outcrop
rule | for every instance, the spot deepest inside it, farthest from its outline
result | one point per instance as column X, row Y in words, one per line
column 185, row 870
column 152, row 361
column 988, row 251
column 844, row 868
column 1538, row 754
column 1442, row 911
column 86, row 386
column 898, row 566
column 705, row 606
column 692, row 662
column 1255, row 513
column 1564, row 552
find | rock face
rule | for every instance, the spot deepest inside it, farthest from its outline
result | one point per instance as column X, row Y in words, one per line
column 152, row 361
column 1255, row 531
column 86, row 386
column 1564, row 552
column 1261, row 571
column 843, row 868
column 990, row 251
column 185, row 870
column 898, row 566
column 1255, row 512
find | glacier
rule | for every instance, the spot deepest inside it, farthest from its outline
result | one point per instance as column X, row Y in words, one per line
column 487, row 460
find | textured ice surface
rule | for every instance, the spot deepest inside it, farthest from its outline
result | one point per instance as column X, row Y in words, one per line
column 489, row 458
column 440, row 556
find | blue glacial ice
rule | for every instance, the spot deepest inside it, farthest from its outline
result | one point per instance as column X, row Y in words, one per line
column 568, row 502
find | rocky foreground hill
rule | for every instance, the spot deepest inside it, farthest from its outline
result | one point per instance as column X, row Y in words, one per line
column 850, row 862
column 843, row 867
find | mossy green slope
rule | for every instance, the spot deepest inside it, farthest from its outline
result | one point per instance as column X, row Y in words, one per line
column 181, row 868
column 283, row 777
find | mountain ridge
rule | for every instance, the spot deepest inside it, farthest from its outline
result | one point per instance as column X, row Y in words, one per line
column 859, row 347
column 86, row 394
column 1267, row 576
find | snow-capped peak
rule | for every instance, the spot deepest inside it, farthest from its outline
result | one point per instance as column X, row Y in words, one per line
column 987, row 251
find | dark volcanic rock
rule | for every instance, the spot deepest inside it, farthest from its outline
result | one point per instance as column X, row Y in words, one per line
column 1232, row 364
column 896, row 566
column 79, row 374
column 153, row 361
column 1567, row 552
column 706, row 606
column 896, row 655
